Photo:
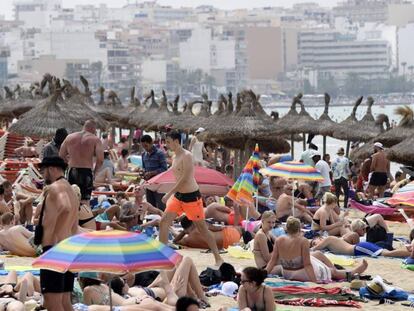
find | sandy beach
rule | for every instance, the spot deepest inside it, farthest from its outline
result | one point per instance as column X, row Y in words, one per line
column 389, row 269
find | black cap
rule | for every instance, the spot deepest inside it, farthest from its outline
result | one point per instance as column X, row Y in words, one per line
column 53, row 162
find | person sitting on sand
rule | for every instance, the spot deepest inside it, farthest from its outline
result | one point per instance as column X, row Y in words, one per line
column 122, row 164
column 106, row 172
column 28, row 151
column 19, row 203
column 228, row 213
column 292, row 252
column 360, row 227
column 264, row 241
column 191, row 237
column 341, row 247
column 253, row 294
column 143, row 209
column 284, row 206
column 326, row 219
column 15, row 239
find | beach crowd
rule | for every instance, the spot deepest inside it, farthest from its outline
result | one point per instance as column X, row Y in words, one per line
column 90, row 183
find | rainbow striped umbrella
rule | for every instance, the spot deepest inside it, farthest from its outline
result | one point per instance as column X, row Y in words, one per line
column 293, row 170
column 109, row 251
column 248, row 181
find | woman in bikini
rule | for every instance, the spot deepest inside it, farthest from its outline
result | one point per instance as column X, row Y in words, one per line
column 263, row 242
column 326, row 219
column 293, row 254
column 253, row 295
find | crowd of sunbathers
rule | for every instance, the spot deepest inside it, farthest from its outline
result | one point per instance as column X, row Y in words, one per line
column 287, row 237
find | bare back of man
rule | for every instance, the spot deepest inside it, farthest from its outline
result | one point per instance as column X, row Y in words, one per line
column 16, row 240
column 79, row 148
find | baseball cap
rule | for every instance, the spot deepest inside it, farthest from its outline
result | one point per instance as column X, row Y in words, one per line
column 379, row 145
column 228, row 289
column 200, row 130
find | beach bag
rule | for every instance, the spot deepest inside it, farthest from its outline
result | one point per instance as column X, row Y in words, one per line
column 210, row 277
column 376, row 234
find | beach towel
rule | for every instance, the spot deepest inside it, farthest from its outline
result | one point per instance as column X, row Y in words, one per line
column 341, row 260
column 274, row 284
column 372, row 209
column 317, row 302
column 21, row 270
column 299, row 290
column 239, row 252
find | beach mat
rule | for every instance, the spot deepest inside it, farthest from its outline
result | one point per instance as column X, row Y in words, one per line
column 20, row 270
column 341, row 260
column 239, row 252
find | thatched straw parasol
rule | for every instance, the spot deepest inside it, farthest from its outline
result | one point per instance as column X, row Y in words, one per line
column 161, row 117
column 137, row 116
column 403, row 152
column 75, row 105
column 43, row 120
column 186, row 121
column 404, row 130
column 344, row 130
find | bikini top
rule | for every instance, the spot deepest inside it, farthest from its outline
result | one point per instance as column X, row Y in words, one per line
column 256, row 308
column 105, row 295
column 318, row 222
column 292, row 264
column 270, row 244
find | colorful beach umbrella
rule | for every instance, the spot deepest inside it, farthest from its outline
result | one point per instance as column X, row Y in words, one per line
column 109, row 251
column 293, row 170
column 248, row 181
column 211, row 182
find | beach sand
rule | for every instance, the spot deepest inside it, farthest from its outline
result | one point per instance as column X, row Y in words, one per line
column 389, row 269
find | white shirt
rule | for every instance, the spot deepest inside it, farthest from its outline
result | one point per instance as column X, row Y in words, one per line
column 323, row 168
column 306, row 157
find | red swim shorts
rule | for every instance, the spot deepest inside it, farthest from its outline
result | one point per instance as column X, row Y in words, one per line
column 230, row 219
column 193, row 210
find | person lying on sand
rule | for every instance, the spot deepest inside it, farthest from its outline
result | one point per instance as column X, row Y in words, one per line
column 191, row 237
column 360, row 227
column 341, row 247
column 15, row 239
column 14, row 293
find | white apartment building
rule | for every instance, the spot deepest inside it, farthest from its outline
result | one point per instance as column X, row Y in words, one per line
column 330, row 52
column 69, row 45
column 202, row 51
column 37, row 13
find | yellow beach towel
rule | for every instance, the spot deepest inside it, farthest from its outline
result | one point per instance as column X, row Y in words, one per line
column 239, row 252
column 341, row 260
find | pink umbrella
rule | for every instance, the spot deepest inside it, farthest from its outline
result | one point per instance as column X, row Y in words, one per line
column 211, row 182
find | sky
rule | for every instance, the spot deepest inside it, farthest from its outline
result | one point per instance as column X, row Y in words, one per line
column 6, row 6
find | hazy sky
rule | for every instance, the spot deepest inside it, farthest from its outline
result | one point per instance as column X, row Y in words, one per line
column 6, row 6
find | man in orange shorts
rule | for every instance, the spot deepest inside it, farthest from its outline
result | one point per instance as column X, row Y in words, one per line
column 191, row 237
column 185, row 196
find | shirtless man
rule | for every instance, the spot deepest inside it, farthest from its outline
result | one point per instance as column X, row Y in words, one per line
column 28, row 151
column 224, row 236
column 15, row 239
column 380, row 171
column 79, row 150
column 284, row 207
column 59, row 219
column 4, row 208
column 19, row 203
column 230, row 213
column 185, row 196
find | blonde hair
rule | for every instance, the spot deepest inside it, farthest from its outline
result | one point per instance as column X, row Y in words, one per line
column 268, row 214
column 358, row 224
column 329, row 198
column 292, row 225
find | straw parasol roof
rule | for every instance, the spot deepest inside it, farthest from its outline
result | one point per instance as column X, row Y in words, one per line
column 403, row 152
column 287, row 122
column 246, row 124
column 162, row 117
column 325, row 123
column 186, row 121
column 76, row 105
column 43, row 120
column 137, row 116
column 404, row 130
column 345, row 129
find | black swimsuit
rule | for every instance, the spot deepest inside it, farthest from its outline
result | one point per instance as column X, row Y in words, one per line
column 255, row 308
column 318, row 222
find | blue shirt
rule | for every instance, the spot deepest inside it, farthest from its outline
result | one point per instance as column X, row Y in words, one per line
column 154, row 161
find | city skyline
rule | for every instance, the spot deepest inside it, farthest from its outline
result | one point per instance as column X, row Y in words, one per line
column 6, row 6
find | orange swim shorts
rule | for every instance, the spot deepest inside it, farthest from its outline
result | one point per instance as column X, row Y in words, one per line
column 193, row 210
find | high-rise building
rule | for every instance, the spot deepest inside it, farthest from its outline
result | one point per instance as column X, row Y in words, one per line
column 4, row 54
column 336, row 54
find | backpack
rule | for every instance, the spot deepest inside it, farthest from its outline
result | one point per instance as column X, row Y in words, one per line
column 210, row 277
column 376, row 234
